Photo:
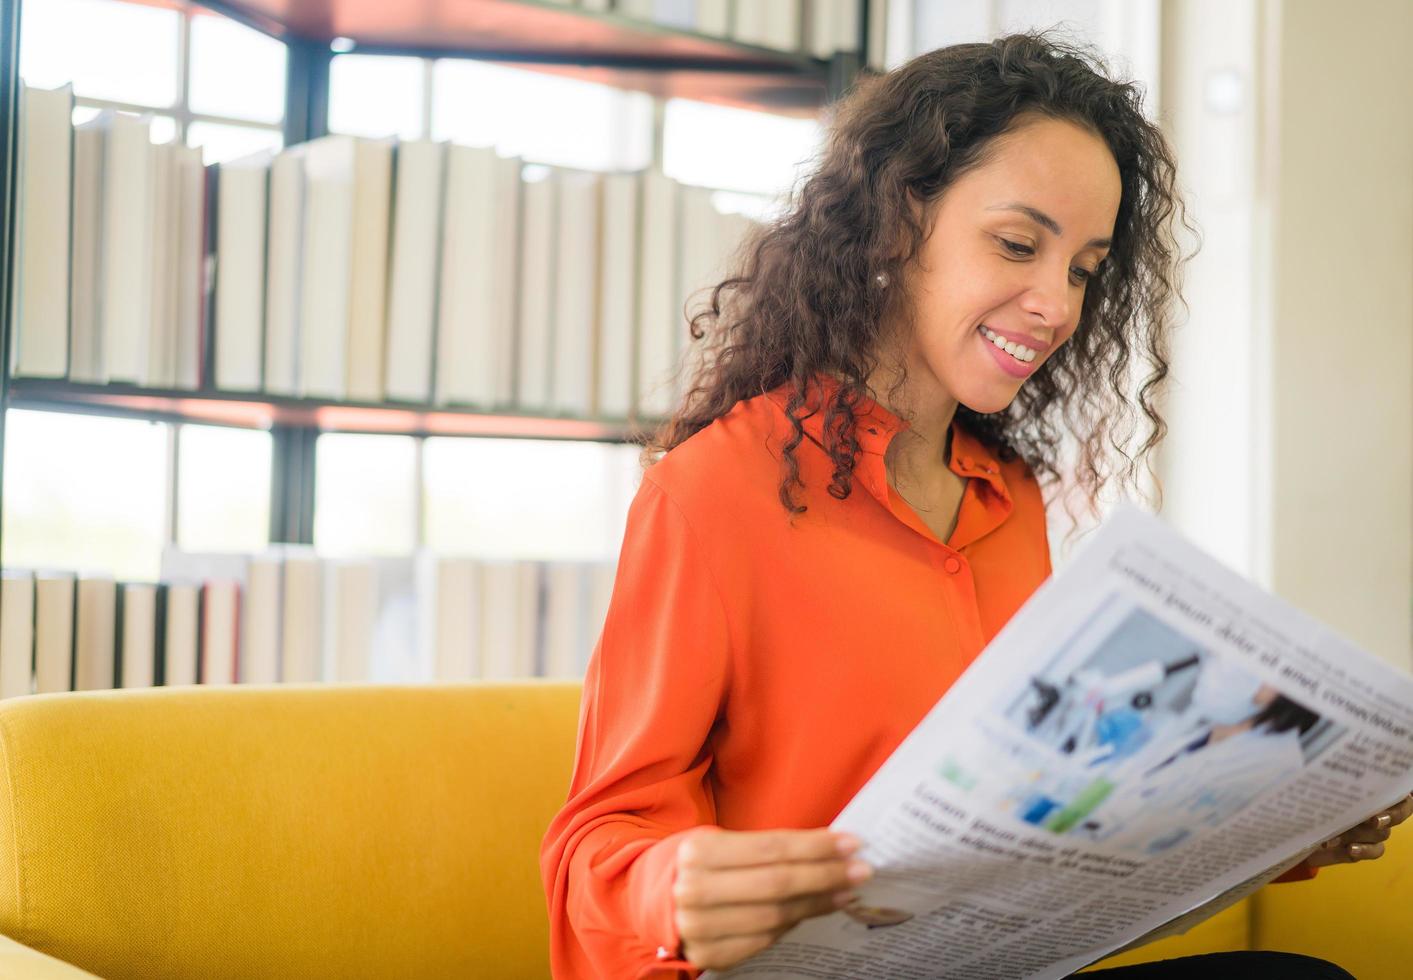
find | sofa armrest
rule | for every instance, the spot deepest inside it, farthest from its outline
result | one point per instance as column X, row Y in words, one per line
column 19, row 962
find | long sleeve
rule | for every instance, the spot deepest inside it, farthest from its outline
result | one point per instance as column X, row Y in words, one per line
column 653, row 692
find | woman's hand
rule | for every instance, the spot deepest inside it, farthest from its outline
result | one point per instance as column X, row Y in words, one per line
column 736, row 892
column 1364, row 842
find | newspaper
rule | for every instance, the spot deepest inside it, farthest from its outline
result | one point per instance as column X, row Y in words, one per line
column 1151, row 738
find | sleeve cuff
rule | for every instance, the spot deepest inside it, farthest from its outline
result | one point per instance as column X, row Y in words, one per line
column 652, row 911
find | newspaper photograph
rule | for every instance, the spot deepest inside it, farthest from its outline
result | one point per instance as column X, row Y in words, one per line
column 1149, row 739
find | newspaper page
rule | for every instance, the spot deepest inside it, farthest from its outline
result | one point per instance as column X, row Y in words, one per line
column 1151, row 738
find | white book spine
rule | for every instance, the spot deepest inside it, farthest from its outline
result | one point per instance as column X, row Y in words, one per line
column 182, row 639
column 220, row 613
column 537, row 291
column 412, row 283
column 350, row 608
column 576, row 294
column 260, row 632
column 53, row 632
column 190, row 262
column 240, row 299
column 16, row 634
column 328, row 253
column 714, row 17
column 452, row 621
column 618, row 284
column 368, row 292
column 42, row 292
column 86, row 362
column 127, row 248
column 283, row 274
column 466, row 315
column 659, row 316
column 139, row 634
column 301, row 641
column 95, row 634
column 506, row 264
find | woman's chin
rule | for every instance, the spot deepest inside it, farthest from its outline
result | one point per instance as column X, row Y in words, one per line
column 990, row 402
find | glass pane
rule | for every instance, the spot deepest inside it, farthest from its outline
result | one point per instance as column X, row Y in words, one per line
column 509, row 498
column 365, row 495
column 223, row 489
column 375, row 95
column 220, row 143
column 118, row 51
column 235, row 70
column 560, row 121
column 164, row 129
column 736, row 149
column 85, row 493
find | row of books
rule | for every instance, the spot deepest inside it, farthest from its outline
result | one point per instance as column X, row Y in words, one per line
column 290, row 616
column 817, row 27
column 351, row 269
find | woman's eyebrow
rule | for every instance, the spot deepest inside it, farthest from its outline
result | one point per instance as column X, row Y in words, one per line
column 1045, row 221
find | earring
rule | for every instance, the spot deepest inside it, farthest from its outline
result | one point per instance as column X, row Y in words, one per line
column 881, row 280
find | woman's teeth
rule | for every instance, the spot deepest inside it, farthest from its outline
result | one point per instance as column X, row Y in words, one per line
column 1019, row 351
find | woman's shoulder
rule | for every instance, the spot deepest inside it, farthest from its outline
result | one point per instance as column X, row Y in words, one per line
column 730, row 460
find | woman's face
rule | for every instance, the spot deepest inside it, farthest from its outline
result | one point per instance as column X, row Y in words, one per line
column 1011, row 244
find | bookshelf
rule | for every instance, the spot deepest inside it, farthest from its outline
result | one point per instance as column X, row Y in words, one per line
column 606, row 47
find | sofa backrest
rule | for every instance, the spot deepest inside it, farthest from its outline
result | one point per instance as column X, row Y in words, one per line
column 294, row 830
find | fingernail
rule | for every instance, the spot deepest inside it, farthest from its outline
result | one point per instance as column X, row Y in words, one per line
column 847, row 844
column 1332, row 842
column 859, row 871
column 1383, row 821
column 844, row 898
column 1356, row 851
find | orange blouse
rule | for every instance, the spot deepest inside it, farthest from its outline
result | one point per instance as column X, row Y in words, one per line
column 753, row 674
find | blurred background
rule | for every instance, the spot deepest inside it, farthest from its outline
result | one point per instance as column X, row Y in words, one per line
column 1290, row 451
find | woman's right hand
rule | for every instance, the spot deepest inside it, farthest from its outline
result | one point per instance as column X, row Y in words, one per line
column 736, row 892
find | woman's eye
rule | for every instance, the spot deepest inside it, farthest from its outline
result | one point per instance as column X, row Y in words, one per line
column 1083, row 275
column 1016, row 248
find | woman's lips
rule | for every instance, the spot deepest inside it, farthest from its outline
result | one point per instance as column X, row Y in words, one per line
column 1007, row 363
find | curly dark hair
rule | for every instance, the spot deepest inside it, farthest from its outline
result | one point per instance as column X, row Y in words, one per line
column 803, row 302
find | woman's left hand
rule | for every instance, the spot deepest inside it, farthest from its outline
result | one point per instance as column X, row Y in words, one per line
column 1364, row 842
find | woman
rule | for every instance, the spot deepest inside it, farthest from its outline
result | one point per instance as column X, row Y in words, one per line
column 847, row 507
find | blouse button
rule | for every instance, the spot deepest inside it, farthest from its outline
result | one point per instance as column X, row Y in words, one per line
column 663, row 953
column 952, row 565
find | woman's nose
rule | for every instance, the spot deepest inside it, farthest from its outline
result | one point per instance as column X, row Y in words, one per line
column 1050, row 298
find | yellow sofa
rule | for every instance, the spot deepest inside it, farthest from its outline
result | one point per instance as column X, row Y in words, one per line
column 377, row 831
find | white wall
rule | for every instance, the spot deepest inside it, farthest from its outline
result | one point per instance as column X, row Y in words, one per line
column 1291, row 453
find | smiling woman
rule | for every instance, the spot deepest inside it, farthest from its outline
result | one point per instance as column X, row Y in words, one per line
column 846, row 508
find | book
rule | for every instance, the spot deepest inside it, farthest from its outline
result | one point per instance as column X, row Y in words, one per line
column 713, row 17
column 181, row 635
column 659, row 316
column 538, row 278
column 476, row 309
column 283, row 275
column 125, row 263
column 301, row 640
column 140, row 617
column 510, row 612
column 190, row 269
column 368, row 293
column 220, row 632
column 54, row 595
column 576, row 298
column 261, row 620
column 350, row 614
column 419, row 170
column 40, row 313
column 325, row 266
column 566, row 618
column 86, row 362
column 239, row 323
column 449, row 623
column 617, row 248
column 95, row 633
column 16, row 633
column 159, row 371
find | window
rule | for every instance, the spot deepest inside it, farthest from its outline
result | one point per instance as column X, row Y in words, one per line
column 85, row 493
column 365, row 495
column 702, row 145
column 373, row 95
column 223, row 489
column 520, row 498
column 128, row 56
